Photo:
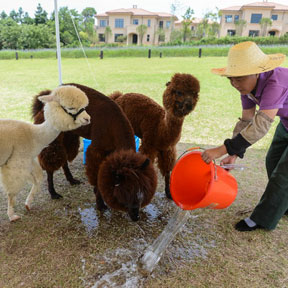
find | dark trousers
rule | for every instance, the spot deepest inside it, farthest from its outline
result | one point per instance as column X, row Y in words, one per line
column 274, row 201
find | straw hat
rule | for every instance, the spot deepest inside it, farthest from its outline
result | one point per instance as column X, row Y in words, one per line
column 247, row 58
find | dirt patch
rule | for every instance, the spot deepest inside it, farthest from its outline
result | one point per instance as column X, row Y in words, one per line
column 68, row 243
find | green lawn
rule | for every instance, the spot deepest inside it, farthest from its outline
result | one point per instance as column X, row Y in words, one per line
column 211, row 122
column 68, row 243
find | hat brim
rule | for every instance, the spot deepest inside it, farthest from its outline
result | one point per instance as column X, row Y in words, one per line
column 275, row 60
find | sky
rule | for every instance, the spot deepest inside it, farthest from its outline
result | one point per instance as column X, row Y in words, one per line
column 200, row 7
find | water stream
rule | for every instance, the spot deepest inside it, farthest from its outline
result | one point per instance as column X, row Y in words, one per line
column 154, row 252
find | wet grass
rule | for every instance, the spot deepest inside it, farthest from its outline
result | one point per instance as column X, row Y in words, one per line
column 68, row 243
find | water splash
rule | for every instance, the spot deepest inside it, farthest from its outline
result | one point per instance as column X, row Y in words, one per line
column 89, row 218
column 154, row 252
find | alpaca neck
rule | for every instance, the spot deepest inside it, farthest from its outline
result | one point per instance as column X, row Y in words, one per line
column 44, row 134
column 171, row 128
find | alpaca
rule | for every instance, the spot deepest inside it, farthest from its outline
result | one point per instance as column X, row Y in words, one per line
column 122, row 179
column 160, row 128
column 21, row 142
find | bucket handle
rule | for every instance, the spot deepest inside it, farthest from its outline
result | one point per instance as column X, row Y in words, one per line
column 200, row 148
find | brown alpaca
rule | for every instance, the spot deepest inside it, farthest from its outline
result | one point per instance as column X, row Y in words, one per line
column 124, row 179
column 160, row 128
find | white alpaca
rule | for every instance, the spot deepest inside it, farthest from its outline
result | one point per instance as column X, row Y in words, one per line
column 21, row 142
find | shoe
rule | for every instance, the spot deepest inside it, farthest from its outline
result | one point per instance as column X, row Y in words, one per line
column 242, row 226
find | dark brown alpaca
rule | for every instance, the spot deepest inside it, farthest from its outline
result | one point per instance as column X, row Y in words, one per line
column 124, row 179
column 160, row 128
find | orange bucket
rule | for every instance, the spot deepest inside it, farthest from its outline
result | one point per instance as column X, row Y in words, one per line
column 195, row 184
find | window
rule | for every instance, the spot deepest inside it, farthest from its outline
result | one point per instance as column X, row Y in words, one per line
column 253, row 33
column 135, row 21
column 272, row 33
column 116, row 37
column 101, row 37
column 236, row 18
column 168, row 23
column 256, row 18
column 103, row 23
column 161, row 24
column 161, row 38
column 148, row 38
column 149, row 22
column 119, row 23
column 192, row 28
column 274, row 17
column 228, row 18
column 231, row 32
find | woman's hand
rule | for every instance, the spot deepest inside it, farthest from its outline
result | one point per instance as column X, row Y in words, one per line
column 213, row 153
column 228, row 160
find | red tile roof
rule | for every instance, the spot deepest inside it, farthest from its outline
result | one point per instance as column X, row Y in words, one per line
column 271, row 5
column 136, row 12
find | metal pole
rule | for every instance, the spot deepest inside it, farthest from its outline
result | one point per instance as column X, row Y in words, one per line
column 58, row 41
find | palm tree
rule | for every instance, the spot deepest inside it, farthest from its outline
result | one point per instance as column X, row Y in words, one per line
column 141, row 30
column 239, row 25
column 187, row 20
column 108, row 32
column 264, row 23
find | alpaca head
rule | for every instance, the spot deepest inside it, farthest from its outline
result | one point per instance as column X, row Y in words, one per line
column 65, row 108
column 127, row 181
column 181, row 94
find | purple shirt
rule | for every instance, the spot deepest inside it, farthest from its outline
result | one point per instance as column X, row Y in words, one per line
column 271, row 93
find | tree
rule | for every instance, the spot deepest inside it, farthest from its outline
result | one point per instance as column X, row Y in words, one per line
column 27, row 19
column 239, row 25
column 10, row 32
column 40, row 15
column 161, row 34
column 141, row 30
column 187, row 20
column 3, row 15
column 173, row 8
column 107, row 33
column 88, row 18
column 88, row 23
column 20, row 15
column 68, row 35
column 209, row 26
column 35, row 37
column 14, row 16
column 264, row 23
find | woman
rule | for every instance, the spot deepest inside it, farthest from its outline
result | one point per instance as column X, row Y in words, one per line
column 256, row 76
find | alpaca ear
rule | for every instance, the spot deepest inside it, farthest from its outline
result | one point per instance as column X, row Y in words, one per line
column 145, row 163
column 168, row 83
column 46, row 98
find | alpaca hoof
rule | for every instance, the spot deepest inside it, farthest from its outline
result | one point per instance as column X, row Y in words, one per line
column 75, row 182
column 102, row 207
column 168, row 193
column 56, row 196
column 27, row 207
column 14, row 218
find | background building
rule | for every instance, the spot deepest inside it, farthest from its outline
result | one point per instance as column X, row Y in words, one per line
column 255, row 19
column 134, row 26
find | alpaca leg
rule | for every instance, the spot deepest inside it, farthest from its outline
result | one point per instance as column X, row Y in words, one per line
column 99, row 200
column 36, row 179
column 166, row 162
column 167, row 185
column 13, row 178
column 10, row 211
column 69, row 175
column 51, row 189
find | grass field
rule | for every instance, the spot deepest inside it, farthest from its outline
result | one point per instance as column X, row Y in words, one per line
column 68, row 243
